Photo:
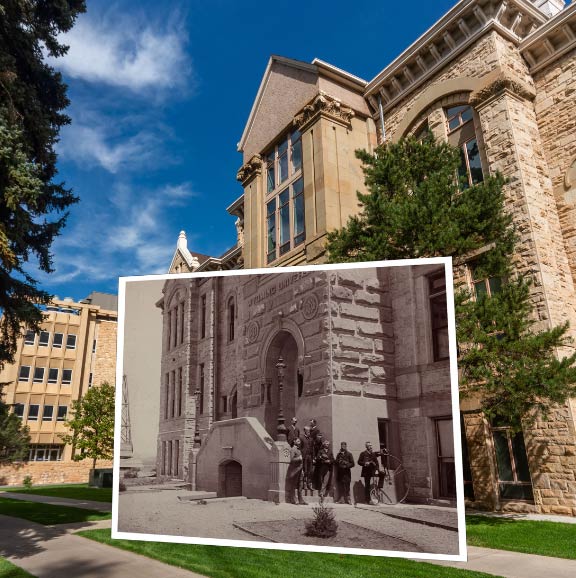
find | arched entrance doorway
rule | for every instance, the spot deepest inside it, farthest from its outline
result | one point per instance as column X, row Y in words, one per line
column 230, row 479
column 283, row 345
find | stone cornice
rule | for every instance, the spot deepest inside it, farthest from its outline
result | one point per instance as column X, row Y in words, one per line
column 323, row 105
column 249, row 170
column 502, row 83
column 552, row 40
column 449, row 37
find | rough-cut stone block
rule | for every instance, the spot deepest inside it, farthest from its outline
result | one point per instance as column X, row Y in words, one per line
column 343, row 293
column 354, row 371
column 358, row 343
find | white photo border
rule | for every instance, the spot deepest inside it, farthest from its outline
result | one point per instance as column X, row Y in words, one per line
column 447, row 262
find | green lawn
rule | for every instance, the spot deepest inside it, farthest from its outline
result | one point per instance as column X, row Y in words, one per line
column 8, row 570
column 531, row 537
column 74, row 491
column 47, row 514
column 222, row 562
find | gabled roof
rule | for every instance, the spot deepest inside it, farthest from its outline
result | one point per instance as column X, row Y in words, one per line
column 192, row 259
column 317, row 67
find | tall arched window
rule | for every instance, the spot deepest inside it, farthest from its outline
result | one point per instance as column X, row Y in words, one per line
column 231, row 319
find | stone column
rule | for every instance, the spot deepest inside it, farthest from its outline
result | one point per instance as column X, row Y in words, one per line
column 279, row 460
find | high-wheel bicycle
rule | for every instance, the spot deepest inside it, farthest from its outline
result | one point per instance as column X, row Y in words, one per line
column 394, row 481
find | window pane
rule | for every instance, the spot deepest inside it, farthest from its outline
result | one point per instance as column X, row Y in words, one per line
column 38, row 374
column 57, row 341
column 53, row 375
column 66, row 376
column 271, row 245
column 30, row 337
column 466, row 114
column 33, row 412
column 516, row 491
column 62, row 411
column 474, row 161
column 44, row 338
column 453, row 123
column 505, row 472
column 19, row 410
column 284, row 199
column 445, row 438
column 296, row 152
column 24, row 373
column 480, row 289
column 463, row 181
column 299, row 224
column 48, row 412
column 520, row 458
column 71, row 342
column 495, row 285
column 270, row 179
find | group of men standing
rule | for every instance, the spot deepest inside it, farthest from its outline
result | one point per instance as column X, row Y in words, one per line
column 312, row 464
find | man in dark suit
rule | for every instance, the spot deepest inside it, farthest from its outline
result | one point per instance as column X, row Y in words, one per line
column 293, row 431
column 344, row 463
column 308, row 455
column 369, row 461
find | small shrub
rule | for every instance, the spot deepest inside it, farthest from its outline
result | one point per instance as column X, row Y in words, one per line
column 323, row 524
column 27, row 482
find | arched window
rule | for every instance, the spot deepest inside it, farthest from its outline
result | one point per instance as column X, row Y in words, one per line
column 461, row 134
column 231, row 319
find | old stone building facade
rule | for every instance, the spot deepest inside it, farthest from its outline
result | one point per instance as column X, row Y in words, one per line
column 496, row 78
column 75, row 350
column 365, row 353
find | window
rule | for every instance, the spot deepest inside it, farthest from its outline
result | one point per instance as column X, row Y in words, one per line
column 231, row 319
column 94, row 346
column 90, row 378
column 285, row 206
column 180, row 389
column 48, row 413
column 24, row 374
column 173, row 385
column 484, row 287
column 461, row 134
column 224, row 404
column 62, row 412
column 30, row 337
column 181, row 323
column 45, row 453
column 66, row 376
column 38, row 374
column 439, row 316
column 514, row 482
column 445, row 452
column 44, row 339
column 203, row 317
column 57, row 340
column 19, row 410
column 53, row 375
column 167, row 394
column 201, row 384
column 71, row 342
column 33, row 412
column 466, row 469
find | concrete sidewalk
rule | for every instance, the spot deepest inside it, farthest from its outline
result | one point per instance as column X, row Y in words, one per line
column 513, row 564
column 53, row 552
column 84, row 504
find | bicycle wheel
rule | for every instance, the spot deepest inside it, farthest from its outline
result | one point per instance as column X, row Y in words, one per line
column 374, row 493
column 396, row 483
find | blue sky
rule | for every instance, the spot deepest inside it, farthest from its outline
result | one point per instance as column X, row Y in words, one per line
column 160, row 94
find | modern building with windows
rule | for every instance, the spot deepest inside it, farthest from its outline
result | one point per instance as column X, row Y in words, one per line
column 496, row 78
column 74, row 351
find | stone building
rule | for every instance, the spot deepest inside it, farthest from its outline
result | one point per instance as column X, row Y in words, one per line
column 75, row 350
column 497, row 79
column 363, row 351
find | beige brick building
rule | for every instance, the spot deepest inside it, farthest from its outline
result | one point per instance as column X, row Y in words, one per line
column 75, row 350
column 496, row 78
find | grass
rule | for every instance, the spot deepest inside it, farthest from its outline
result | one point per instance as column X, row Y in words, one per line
column 74, row 491
column 530, row 537
column 47, row 514
column 223, row 562
column 8, row 570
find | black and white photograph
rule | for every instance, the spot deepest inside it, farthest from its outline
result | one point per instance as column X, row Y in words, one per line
column 311, row 409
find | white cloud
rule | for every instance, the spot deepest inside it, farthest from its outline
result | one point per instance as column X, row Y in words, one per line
column 92, row 145
column 122, row 52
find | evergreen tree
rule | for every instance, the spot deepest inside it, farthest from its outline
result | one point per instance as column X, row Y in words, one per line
column 32, row 203
column 14, row 437
column 92, row 424
column 416, row 208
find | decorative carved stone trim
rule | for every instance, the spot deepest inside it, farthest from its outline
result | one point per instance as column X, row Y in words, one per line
column 325, row 105
column 249, row 170
column 500, row 84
